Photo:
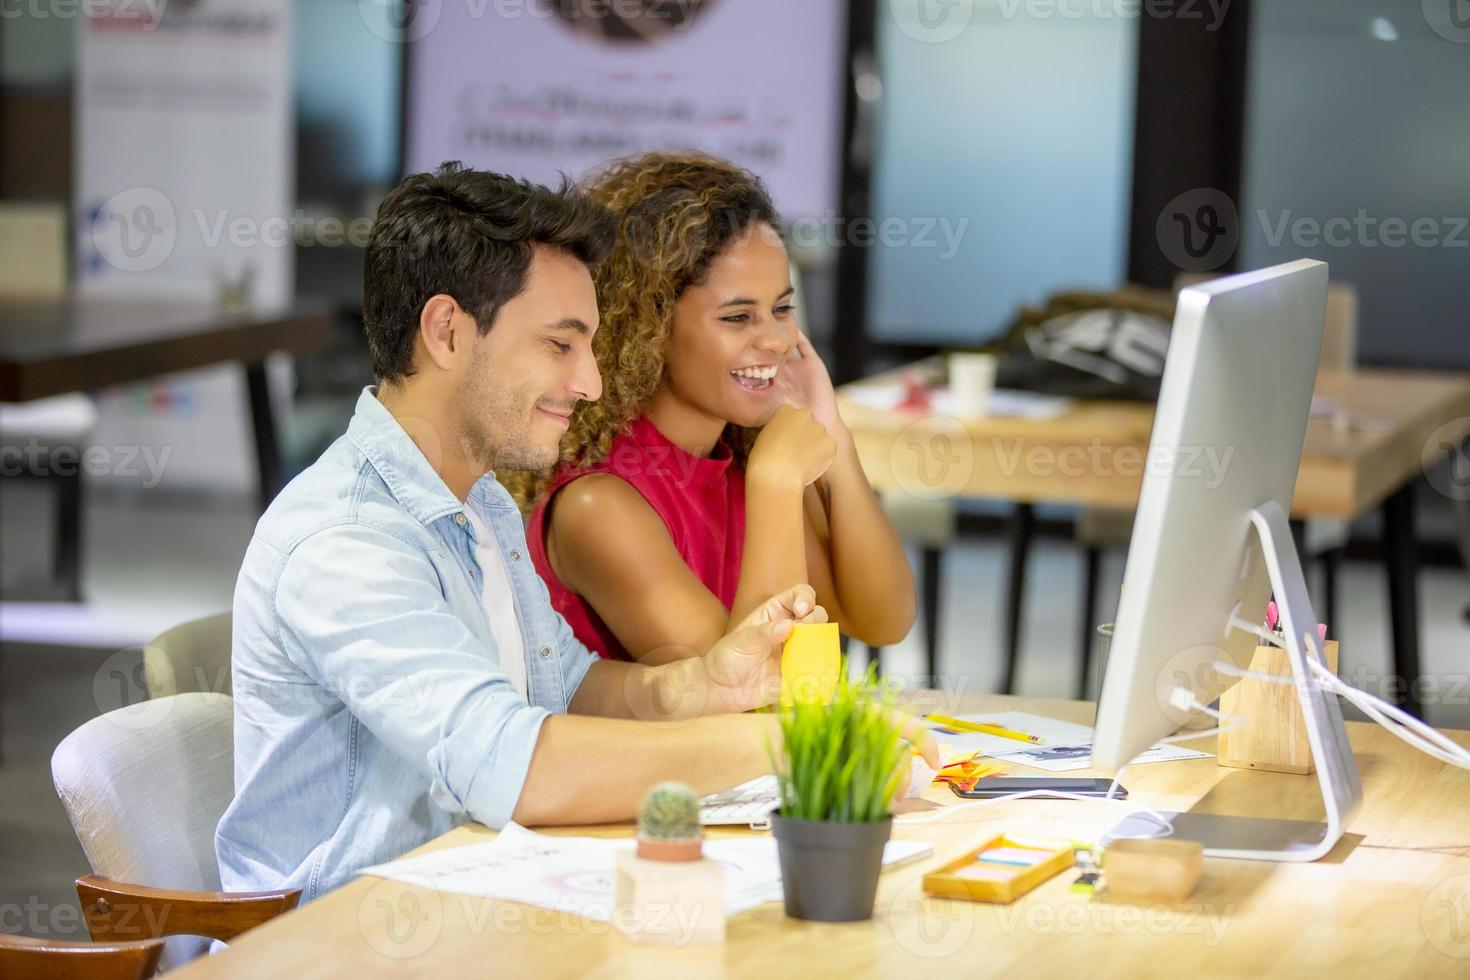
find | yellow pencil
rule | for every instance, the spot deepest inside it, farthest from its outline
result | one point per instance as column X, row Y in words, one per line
column 985, row 729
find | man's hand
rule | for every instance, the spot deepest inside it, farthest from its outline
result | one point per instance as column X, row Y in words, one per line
column 913, row 729
column 744, row 667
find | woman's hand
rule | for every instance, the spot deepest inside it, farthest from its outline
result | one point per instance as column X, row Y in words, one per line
column 809, row 386
column 792, row 450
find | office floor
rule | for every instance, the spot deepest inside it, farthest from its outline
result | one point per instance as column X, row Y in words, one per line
column 151, row 565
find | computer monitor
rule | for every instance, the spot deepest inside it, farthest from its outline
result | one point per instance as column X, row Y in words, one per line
column 1211, row 539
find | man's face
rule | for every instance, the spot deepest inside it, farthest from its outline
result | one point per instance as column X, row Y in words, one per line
column 526, row 375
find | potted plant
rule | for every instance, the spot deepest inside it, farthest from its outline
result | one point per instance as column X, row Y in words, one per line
column 838, row 769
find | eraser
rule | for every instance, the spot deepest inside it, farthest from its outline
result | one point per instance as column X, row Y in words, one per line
column 810, row 662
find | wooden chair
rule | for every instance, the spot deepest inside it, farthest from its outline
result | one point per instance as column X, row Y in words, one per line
column 115, row 910
column 144, row 787
column 193, row 656
column 25, row 958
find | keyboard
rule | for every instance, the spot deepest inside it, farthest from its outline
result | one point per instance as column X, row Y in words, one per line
column 749, row 803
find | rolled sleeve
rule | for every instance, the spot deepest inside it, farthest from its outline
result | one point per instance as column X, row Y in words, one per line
column 362, row 614
column 491, row 774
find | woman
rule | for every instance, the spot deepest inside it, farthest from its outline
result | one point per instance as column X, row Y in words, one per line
column 715, row 470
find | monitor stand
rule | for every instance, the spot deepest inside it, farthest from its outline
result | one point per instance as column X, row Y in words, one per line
column 1260, row 838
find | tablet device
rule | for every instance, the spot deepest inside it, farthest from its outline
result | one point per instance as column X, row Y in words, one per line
column 993, row 786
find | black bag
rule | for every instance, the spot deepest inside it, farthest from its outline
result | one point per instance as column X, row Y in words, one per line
column 1089, row 345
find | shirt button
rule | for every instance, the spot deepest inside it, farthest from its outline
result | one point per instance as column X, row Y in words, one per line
column 544, row 653
column 460, row 519
column 515, row 556
column 472, row 573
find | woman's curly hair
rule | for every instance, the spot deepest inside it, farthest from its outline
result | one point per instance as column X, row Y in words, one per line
column 676, row 212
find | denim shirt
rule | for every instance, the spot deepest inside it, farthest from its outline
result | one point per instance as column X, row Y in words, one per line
column 371, row 714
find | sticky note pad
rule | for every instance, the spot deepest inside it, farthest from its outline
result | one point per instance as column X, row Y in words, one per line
column 810, row 661
column 987, row 872
column 1023, row 856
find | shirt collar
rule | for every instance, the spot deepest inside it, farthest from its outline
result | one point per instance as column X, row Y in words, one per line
column 402, row 466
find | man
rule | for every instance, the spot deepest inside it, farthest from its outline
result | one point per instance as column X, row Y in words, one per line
column 397, row 666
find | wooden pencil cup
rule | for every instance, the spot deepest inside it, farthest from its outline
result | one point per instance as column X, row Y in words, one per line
column 1274, row 735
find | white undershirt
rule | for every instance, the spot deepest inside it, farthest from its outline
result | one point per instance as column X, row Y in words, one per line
column 500, row 606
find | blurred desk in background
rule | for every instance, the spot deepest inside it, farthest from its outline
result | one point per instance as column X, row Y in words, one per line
column 54, row 346
column 1372, row 434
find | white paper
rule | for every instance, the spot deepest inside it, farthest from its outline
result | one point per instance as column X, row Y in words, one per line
column 1067, row 747
column 575, row 874
column 1002, row 402
column 1067, row 758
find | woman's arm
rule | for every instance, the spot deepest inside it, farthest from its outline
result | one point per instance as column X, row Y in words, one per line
column 856, row 561
column 609, row 546
column 791, row 452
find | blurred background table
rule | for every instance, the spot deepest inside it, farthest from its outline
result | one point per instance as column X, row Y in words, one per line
column 56, row 346
column 1366, row 453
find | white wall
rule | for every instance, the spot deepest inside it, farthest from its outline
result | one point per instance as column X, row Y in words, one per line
column 1341, row 121
column 1024, row 126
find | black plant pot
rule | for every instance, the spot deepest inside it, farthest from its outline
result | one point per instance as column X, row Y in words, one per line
column 829, row 871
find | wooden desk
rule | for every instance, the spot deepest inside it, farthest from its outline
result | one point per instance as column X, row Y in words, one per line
column 1392, row 899
column 1095, row 453
column 51, row 347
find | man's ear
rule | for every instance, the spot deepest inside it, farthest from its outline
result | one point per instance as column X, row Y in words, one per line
column 442, row 326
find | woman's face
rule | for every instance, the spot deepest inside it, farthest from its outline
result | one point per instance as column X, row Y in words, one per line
column 732, row 333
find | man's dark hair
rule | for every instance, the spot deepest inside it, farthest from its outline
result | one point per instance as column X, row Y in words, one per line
column 468, row 234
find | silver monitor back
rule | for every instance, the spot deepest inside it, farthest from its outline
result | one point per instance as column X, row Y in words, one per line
column 1227, row 436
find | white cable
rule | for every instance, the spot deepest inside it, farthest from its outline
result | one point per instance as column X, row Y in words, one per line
column 1399, row 722
column 1230, row 670
column 1396, row 720
column 1164, row 824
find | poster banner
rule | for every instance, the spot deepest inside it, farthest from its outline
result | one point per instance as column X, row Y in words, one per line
column 185, row 189
column 534, row 87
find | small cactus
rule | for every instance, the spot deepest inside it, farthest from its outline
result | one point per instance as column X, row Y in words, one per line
column 669, row 812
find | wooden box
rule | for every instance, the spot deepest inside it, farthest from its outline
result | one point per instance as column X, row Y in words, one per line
column 1274, row 735
column 1001, row 884
column 1160, row 868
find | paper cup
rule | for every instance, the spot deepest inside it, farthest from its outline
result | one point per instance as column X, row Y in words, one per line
column 971, row 379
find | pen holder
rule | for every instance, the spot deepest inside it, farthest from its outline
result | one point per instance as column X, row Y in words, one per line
column 1274, row 734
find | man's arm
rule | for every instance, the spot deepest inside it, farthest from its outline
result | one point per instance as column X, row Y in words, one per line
column 384, row 641
column 596, row 770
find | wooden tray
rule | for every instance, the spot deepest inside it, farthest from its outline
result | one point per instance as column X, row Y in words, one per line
column 1000, row 883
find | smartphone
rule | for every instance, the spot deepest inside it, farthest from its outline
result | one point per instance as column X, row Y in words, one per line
column 993, row 786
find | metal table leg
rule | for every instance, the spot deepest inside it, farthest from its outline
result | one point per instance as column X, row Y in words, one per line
column 263, row 422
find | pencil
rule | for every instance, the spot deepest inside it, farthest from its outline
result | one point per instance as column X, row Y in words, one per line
column 985, row 729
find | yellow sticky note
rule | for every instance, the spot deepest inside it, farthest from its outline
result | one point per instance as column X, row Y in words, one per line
column 810, row 661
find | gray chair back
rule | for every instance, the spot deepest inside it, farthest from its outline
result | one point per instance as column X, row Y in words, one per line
column 145, row 786
column 193, row 656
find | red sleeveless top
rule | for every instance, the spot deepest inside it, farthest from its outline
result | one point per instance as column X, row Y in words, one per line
column 701, row 501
